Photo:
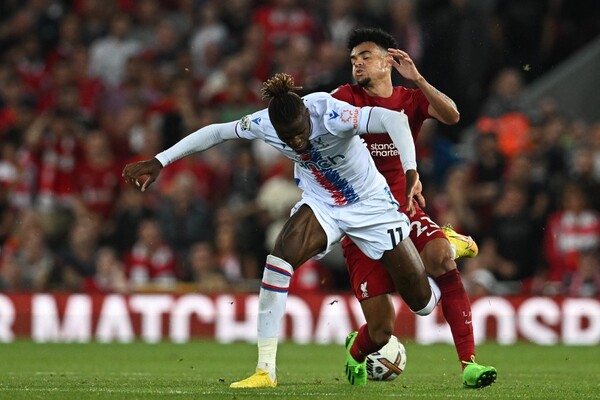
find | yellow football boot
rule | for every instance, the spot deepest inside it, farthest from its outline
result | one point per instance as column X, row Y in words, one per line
column 260, row 379
column 464, row 246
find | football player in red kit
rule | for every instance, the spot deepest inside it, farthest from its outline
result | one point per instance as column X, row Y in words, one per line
column 374, row 55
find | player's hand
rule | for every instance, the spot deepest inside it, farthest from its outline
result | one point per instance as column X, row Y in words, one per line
column 403, row 64
column 419, row 194
column 141, row 174
column 413, row 188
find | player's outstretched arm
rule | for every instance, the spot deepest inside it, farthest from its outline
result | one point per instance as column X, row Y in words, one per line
column 143, row 173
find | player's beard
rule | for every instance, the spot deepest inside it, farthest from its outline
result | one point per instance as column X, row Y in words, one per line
column 364, row 82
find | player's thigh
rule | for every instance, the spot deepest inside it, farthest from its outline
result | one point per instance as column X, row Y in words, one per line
column 301, row 238
column 368, row 278
column 431, row 243
column 406, row 268
column 423, row 230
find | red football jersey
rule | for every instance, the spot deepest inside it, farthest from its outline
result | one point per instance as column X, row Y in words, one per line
column 99, row 187
column 414, row 104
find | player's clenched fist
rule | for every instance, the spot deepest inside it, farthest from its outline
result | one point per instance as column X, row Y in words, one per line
column 142, row 173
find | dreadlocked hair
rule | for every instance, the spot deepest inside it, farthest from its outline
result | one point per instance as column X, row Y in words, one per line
column 380, row 37
column 284, row 105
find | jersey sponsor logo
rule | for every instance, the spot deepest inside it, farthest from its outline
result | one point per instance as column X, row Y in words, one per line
column 324, row 171
column 333, row 115
column 245, row 123
column 348, row 115
column 383, row 150
column 322, row 164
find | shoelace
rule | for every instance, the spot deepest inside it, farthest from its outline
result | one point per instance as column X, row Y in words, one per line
column 470, row 362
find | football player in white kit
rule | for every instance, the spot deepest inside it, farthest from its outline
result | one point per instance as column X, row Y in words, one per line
column 343, row 194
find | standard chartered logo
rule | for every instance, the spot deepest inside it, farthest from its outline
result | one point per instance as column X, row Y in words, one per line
column 383, row 150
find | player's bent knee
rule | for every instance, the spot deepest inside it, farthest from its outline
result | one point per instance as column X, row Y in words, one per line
column 440, row 266
column 433, row 300
column 437, row 257
column 428, row 309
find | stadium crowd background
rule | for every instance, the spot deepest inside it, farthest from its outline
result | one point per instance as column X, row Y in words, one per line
column 89, row 85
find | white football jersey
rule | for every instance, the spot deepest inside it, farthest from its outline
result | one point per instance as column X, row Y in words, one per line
column 337, row 168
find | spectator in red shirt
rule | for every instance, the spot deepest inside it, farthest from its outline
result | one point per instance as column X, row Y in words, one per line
column 99, row 176
column 151, row 260
column 53, row 147
column 573, row 229
column 69, row 40
column 281, row 20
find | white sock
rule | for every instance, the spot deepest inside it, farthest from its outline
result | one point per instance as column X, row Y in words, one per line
column 436, row 295
column 271, row 308
column 267, row 352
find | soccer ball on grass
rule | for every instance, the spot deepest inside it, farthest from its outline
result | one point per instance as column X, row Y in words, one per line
column 387, row 363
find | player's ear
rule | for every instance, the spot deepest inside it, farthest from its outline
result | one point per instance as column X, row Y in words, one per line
column 388, row 60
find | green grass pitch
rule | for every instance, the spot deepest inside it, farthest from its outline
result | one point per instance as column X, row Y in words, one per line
column 204, row 370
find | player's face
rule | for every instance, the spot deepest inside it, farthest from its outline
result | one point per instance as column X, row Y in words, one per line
column 369, row 63
column 296, row 134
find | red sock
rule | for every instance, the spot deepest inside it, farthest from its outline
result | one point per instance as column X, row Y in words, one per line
column 457, row 311
column 363, row 345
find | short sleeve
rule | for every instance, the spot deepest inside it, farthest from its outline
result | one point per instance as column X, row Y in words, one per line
column 250, row 126
column 345, row 120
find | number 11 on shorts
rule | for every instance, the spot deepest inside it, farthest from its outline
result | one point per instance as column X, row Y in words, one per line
column 395, row 236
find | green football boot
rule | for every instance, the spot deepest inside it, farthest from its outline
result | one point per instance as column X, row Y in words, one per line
column 476, row 376
column 355, row 372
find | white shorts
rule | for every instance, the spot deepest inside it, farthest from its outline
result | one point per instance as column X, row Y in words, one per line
column 375, row 225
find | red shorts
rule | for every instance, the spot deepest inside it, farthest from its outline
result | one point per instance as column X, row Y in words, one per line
column 369, row 278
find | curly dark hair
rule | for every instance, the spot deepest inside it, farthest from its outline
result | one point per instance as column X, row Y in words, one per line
column 380, row 37
column 279, row 85
column 284, row 105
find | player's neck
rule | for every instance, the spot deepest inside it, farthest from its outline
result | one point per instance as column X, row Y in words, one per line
column 381, row 88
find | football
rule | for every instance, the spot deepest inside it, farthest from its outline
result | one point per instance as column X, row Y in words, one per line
column 387, row 363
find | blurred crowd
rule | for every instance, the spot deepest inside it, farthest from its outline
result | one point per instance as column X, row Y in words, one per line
column 87, row 86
